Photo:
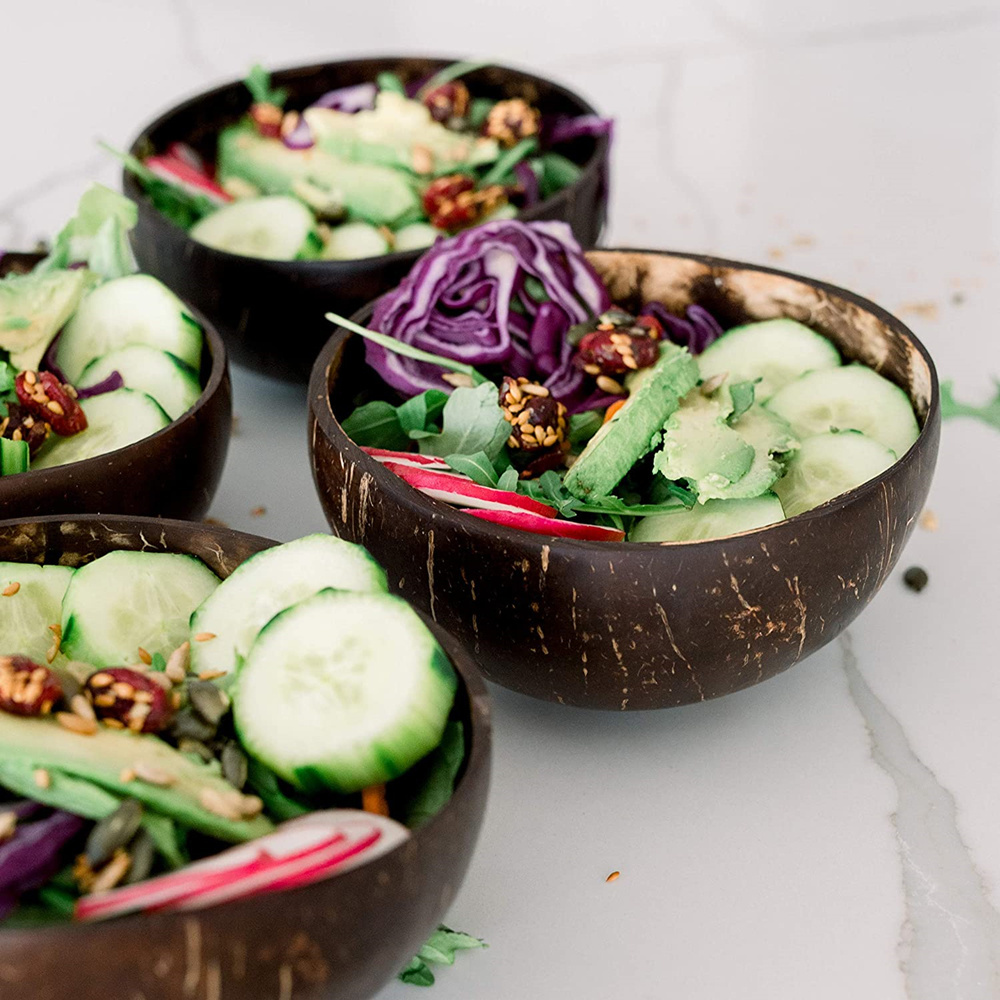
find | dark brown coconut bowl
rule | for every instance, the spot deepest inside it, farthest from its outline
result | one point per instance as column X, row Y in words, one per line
column 270, row 313
column 344, row 938
column 173, row 473
column 633, row 626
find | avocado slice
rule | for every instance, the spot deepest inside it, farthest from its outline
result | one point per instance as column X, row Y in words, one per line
column 699, row 446
column 390, row 134
column 633, row 430
column 101, row 759
column 769, row 435
column 33, row 309
column 374, row 193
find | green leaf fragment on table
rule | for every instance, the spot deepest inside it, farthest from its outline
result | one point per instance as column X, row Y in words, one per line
column 477, row 467
column 440, row 949
column 988, row 413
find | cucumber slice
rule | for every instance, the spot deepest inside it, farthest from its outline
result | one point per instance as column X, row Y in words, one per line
column 137, row 309
column 15, row 456
column 125, row 600
column 774, row 350
column 850, row 398
column 114, row 420
column 355, row 240
column 272, row 227
column 714, row 519
column 269, row 582
column 826, row 466
column 343, row 691
column 170, row 381
column 25, row 616
column 417, row 236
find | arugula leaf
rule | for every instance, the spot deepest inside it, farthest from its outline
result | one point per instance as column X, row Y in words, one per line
column 8, row 375
column 258, row 82
column 376, row 425
column 583, row 426
column 265, row 783
column 439, row 773
column 508, row 480
column 549, row 489
column 416, row 413
column 988, row 413
column 472, row 421
column 741, row 395
column 440, row 949
column 477, row 467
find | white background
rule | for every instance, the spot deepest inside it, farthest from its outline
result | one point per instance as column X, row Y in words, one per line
column 832, row 833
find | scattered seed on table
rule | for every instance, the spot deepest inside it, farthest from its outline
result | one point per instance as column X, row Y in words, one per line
column 11, row 589
column 258, row 512
column 929, row 521
column 916, row 578
column 613, row 876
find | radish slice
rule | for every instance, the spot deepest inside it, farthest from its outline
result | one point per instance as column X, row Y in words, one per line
column 549, row 526
column 413, row 458
column 182, row 151
column 299, row 852
column 463, row 492
column 178, row 171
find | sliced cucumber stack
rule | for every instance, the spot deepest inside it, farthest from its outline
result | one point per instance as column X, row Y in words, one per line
column 850, row 398
column 775, row 351
column 173, row 383
column 269, row 582
column 127, row 601
column 354, row 240
column 417, row 236
column 342, row 691
column 114, row 420
column 827, row 465
column 714, row 519
column 272, row 227
column 32, row 602
column 133, row 310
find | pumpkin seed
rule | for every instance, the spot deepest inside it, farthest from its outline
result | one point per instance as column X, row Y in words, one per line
column 143, row 852
column 113, row 832
column 188, row 724
column 196, row 748
column 208, row 700
column 234, row 765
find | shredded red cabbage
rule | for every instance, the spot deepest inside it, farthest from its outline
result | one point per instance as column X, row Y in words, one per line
column 108, row 384
column 695, row 332
column 466, row 299
column 350, row 100
column 528, row 180
column 562, row 128
column 300, row 137
column 31, row 857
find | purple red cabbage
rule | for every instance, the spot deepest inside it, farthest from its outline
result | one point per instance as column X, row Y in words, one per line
column 300, row 137
column 562, row 128
column 695, row 331
column 466, row 299
column 528, row 180
column 32, row 855
column 350, row 100
column 107, row 384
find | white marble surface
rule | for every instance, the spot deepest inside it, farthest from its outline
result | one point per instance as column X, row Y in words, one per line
column 832, row 833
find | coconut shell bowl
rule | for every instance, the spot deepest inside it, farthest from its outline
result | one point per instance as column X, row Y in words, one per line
column 628, row 626
column 342, row 938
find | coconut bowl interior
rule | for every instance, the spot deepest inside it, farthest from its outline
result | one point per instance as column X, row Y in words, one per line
column 173, row 473
column 627, row 626
column 344, row 938
column 270, row 313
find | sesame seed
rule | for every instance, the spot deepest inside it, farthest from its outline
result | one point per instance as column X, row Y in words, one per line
column 56, row 407
column 145, row 656
column 592, row 369
column 11, row 589
column 550, row 441
column 629, row 362
column 153, row 775
column 8, row 823
column 100, row 680
column 609, row 385
column 126, row 775
column 30, row 377
column 226, row 806
column 82, row 707
column 613, row 876
column 76, row 724
column 535, row 390
column 41, row 777
column 512, row 442
column 211, row 675
column 204, row 636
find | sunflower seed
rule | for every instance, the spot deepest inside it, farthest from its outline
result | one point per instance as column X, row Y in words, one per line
column 113, row 832
column 112, row 873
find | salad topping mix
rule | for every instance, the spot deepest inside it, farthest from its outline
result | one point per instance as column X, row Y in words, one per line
column 365, row 170
column 522, row 381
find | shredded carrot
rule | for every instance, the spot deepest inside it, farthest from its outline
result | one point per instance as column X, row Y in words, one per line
column 373, row 800
column 614, row 408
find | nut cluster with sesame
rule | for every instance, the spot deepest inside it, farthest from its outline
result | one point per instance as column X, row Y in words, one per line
column 619, row 345
column 538, row 422
column 511, row 121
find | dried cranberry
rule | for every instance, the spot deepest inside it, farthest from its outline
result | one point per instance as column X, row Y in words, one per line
column 44, row 396
column 26, row 687
column 129, row 699
column 450, row 100
column 538, row 422
column 444, row 190
column 267, row 118
column 511, row 121
column 20, row 425
column 616, row 351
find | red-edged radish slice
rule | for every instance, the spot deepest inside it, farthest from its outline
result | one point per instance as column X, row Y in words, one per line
column 415, row 459
column 463, row 492
column 549, row 525
column 177, row 171
column 187, row 154
column 302, row 851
